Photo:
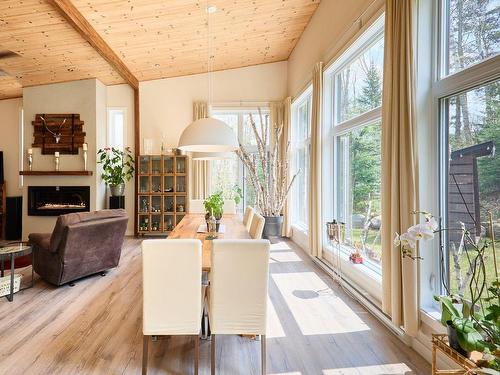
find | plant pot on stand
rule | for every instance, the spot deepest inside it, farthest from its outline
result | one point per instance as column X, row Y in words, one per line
column 117, row 190
column 453, row 339
column 272, row 227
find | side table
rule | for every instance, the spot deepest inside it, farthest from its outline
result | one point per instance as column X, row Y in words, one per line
column 12, row 251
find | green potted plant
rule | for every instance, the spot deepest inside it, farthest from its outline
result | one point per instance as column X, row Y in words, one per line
column 472, row 322
column 214, row 205
column 118, row 168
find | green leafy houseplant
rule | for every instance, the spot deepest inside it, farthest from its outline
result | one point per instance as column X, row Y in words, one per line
column 117, row 165
column 237, row 194
column 474, row 321
column 214, row 205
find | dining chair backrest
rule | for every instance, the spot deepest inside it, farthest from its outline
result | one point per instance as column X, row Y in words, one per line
column 171, row 272
column 238, row 287
column 196, row 206
column 229, row 207
column 247, row 217
column 257, row 226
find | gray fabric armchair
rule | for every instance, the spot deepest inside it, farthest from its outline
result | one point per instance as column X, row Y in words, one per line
column 81, row 244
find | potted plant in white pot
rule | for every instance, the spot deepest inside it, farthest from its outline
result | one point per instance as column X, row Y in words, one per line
column 268, row 170
column 118, row 168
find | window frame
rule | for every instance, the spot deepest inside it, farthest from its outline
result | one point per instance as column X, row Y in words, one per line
column 240, row 112
column 109, row 136
column 304, row 98
column 444, row 86
column 441, row 46
column 333, row 130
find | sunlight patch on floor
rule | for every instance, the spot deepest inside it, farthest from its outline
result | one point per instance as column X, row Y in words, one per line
column 279, row 246
column 274, row 327
column 284, row 256
column 386, row 369
column 315, row 308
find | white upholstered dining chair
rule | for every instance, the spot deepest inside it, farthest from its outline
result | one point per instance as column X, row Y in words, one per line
column 247, row 217
column 229, row 206
column 257, row 226
column 238, row 291
column 196, row 206
column 173, row 298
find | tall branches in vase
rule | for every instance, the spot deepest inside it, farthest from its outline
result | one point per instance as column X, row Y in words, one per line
column 268, row 168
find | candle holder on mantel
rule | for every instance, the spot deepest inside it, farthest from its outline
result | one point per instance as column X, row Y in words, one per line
column 84, row 148
column 30, row 159
column 56, row 156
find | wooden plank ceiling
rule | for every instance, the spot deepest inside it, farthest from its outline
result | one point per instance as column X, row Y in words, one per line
column 154, row 38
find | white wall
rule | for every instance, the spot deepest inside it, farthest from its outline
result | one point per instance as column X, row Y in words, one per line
column 122, row 96
column 86, row 98
column 331, row 29
column 10, row 115
column 166, row 105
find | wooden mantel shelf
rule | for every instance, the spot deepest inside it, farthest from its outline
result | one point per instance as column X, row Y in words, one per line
column 56, row 173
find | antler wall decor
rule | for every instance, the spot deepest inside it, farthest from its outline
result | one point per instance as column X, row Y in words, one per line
column 58, row 132
column 57, row 136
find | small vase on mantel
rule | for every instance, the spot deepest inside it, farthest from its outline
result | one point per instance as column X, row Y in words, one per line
column 117, row 190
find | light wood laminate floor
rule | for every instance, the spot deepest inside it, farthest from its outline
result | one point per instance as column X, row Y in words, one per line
column 95, row 328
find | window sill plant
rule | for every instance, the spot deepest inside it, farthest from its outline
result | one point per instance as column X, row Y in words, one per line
column 473, row 323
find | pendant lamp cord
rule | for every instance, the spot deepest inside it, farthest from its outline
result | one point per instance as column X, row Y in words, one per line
column 209, row 57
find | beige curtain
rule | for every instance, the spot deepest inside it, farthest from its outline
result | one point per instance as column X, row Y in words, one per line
column 315, row 164
column 399, row 166
column 280, row 115
column 200, row 168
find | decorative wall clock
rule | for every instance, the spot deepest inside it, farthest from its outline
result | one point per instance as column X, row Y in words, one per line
column 58, row 132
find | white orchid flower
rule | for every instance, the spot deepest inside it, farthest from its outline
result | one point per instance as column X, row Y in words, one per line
column 433, row 223
column 397, row 240
column 421, row 232
column 408, row 240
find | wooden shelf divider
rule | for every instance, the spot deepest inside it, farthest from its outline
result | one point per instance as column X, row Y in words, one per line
column 56, row 173
column 162, row 193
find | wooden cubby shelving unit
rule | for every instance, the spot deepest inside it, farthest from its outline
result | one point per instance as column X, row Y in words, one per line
column 162, row 193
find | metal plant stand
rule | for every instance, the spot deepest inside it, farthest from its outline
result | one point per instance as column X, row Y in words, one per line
column 440, row 342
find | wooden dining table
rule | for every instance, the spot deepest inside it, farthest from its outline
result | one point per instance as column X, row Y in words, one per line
column 188, row 228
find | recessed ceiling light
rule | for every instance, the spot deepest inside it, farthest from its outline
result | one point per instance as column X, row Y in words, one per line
column 211, row 9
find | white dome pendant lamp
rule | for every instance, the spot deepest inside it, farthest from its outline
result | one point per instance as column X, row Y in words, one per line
column 212, row 155
column 208, row 134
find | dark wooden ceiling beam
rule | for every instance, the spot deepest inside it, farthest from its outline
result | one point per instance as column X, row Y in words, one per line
column 87, row 31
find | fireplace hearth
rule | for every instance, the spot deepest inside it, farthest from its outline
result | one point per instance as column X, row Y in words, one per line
column 57, row 200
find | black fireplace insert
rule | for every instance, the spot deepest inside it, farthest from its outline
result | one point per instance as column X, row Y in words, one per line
column 57, row 200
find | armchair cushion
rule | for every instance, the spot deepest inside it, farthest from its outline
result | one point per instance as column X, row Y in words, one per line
column 78, row 217
column 41, row 240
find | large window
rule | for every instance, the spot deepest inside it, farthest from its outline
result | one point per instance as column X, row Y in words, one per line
column 353, row 108
column 116, row 127
column 468, row 98
column 470, row 33
column 228, row 174
column 471, row 122
column 301, row 141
